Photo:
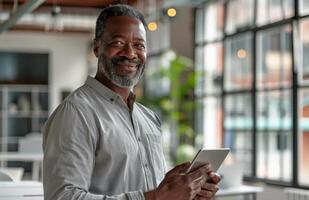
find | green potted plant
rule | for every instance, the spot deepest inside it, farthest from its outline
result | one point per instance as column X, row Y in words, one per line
column 176, row 106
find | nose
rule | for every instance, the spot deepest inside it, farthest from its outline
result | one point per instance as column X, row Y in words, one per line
column 129, row 51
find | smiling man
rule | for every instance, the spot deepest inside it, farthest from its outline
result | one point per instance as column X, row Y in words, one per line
column 100, row 143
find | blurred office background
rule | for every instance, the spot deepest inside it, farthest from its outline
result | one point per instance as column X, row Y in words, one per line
column 220, row 73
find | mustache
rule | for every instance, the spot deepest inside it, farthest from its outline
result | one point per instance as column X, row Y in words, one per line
column 124, row 60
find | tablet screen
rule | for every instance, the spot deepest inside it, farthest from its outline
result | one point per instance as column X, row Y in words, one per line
column 213, row 156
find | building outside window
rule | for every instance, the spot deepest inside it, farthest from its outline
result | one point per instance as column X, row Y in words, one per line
column 255, row 85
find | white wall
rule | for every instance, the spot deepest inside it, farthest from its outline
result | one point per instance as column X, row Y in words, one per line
column 67, row 58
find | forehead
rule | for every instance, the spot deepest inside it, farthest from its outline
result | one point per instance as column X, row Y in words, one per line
column 125, row 25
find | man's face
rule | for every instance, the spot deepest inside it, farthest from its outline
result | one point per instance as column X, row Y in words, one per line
column 122, row 51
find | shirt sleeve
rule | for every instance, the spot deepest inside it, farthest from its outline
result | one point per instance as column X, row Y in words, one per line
column 69, row 144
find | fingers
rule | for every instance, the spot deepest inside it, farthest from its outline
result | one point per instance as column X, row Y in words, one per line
column 208, row 191
column 205, row 194
column 200, row 172
column 214, row 178
column 178, row 169
column 210, row 187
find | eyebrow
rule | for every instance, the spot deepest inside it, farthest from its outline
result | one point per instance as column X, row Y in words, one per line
column 122, row 36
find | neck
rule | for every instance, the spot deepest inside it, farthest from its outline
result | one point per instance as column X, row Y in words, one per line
column 122, row 91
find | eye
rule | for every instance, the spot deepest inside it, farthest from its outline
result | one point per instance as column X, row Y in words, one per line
column 117, row 43
column 140, row 46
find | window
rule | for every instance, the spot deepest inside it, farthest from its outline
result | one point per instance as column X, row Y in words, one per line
column 303, row 111
column 210, row 73
column 274, row 135
column 304, row 137
column 304, row 50
column 269, row 11
column 239, row 15
column 264, row 49
column 211, row 111
column 213, row 28
column 209, row 70
column 238, row 128
column 274, row 57
column 238, row 62
column 304, row 7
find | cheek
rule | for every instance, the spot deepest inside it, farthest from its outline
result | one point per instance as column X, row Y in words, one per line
column 109, row 52
column 142, row 57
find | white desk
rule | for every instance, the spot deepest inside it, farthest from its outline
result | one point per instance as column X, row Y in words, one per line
column 243, row 190
column 24, row 190
column 35, row 158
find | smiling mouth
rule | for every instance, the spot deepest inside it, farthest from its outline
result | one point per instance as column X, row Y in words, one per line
column 128, row 68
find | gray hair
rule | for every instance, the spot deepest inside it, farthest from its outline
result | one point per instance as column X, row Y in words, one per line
column 116, row 10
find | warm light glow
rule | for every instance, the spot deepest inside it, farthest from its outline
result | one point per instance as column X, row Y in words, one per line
column 152, row 26
column 241, row 53
column 171, row 12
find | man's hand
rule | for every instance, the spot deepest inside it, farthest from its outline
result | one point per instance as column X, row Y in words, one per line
column 210, row 188
column 180, row 186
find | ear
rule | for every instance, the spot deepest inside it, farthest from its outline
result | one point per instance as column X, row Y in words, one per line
column 96, row 47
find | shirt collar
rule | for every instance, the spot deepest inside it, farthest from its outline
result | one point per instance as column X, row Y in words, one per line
column 106, row 92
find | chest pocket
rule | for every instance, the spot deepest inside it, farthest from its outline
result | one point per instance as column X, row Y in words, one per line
column 156, row 154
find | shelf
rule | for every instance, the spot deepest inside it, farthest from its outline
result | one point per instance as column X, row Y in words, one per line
column 24, row 68
column 18, row 127
column 24, row 88
column 24, row 98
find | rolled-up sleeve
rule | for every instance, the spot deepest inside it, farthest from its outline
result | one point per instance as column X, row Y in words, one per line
column 69, row 145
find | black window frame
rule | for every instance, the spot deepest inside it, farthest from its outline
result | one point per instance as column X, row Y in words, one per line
column 295, row 86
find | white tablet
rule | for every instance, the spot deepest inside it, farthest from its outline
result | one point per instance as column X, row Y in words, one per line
column 214, row 157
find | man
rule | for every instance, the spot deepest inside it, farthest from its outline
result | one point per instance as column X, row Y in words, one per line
column 100, row 143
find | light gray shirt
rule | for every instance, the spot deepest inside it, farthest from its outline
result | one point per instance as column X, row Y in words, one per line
column 96, row 147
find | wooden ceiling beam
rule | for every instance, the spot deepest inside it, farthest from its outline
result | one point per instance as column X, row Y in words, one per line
column 76, row 3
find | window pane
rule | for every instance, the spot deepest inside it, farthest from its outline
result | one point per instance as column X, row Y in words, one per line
column 269, row 11
column 238, row 62
column 274, row 135
column 274, row 155
column 274, row 59
column 240, row 143
column 303, row 7
column 238, row 112
column 213, row 68
column 274, row 110
column 214, row 21
column 199, row 68
column 209, row 122
column 304, row 51
column 209, row 70
column 238, row 128
column 303, row 175
column 199, row 25
column 239, row 15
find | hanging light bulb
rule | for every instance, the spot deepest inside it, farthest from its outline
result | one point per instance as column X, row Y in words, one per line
column 241, row 53
column 171, row 12
column 152, row 16
column 152, row 26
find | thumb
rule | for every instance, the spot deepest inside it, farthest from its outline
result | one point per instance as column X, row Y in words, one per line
column 178, row 169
